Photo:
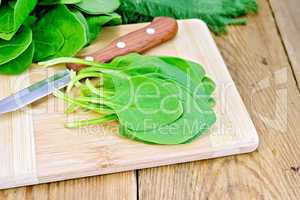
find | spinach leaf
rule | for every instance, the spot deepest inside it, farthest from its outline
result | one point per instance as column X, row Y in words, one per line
column 192, row 123
column 95, row 23
column 12, row 15
column 96, row 7
column 187, row 73
column 19, row 64
column 216, row 13
column 13, row 48
column 53, row 2
column 58, row 33
column 6, row 13
column 84, row 24
column 30, row 21
column 142, row 97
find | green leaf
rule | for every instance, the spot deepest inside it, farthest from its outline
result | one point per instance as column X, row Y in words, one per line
column 20, row 64
column 187, row 73
column 9, row 50
column 216, row 13
column 59, row 33
column 196, row 119
column 129, row 17
column 95, row 23
column 97, row 7
column 12, row 15
column 53, row 2
column 84, row 23
column 7, row 19
column 29, row 22
column 142, row 97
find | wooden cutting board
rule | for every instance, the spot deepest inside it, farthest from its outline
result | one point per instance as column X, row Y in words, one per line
column 36, row 148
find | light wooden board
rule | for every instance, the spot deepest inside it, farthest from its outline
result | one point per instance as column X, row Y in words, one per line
column 37, row 148
column 259, row 66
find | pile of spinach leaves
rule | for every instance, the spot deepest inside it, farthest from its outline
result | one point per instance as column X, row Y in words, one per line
column 155, row 99
column 36, row 30
column 46, row 29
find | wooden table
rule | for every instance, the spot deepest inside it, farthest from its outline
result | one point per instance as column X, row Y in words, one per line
column 264, row 61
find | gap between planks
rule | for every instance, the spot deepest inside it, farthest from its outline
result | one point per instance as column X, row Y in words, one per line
column 290, row 37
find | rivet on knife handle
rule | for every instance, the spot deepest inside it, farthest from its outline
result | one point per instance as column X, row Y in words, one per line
column 159, row 31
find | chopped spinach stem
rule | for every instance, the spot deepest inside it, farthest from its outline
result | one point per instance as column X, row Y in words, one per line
column 103, row 68
column 71, row 108
column 93, row 89
column 96, row 121
column 80, row 77
column 96, row 100
column 83, row 104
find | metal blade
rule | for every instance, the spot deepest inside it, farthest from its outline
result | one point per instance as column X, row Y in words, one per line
column 35, row 92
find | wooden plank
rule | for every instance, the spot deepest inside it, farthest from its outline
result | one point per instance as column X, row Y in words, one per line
column 114, row 187
column 18, row 149
column 287, row 15
column 262, row 73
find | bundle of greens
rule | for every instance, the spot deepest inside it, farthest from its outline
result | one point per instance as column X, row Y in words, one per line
column 32, row 30
column 216, row 13
column 155, row 99
column 37, row 30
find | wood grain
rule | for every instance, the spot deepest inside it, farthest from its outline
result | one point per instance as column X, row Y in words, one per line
column 262, row 73
column 287, row 14
column 115, row 187
column 140, row 41
column 19, row 156
column 63, row 153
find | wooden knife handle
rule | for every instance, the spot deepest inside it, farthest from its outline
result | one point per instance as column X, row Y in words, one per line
column 159, row 31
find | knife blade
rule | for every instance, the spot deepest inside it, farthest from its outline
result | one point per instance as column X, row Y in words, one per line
column 35, row 92
column 160, row 30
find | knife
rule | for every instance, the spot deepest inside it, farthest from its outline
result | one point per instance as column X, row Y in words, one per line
column 159, row 31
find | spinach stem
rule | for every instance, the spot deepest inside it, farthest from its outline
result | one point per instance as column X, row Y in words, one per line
column 103, row 68
column 83, row 104
column 80, row 77
column 71, row 108
column 96, row 121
